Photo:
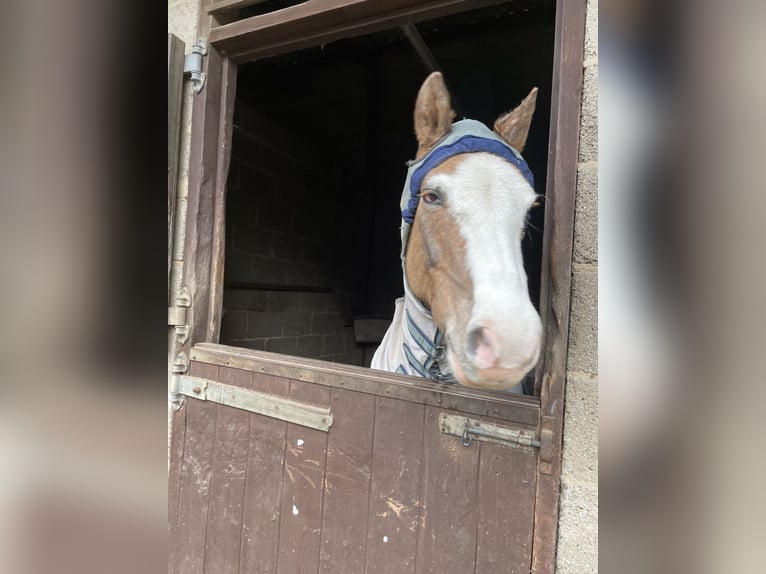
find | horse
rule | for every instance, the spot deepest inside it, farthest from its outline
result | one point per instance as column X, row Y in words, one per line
column 466, row 316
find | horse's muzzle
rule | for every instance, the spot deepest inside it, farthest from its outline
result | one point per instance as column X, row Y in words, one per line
column 495, row 361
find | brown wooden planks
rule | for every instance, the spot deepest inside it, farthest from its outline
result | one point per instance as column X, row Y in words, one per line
column 507, row 480
column 449, row 516
column 384, row 491
column 225, row 127
column 560, row 201
column 347, row 482
column 524, row 411
column 263, row 492
column 301, row 19
column 203, row 167
column 188, row 535
column 302, row 493
column 228, row 5
column 177, row 438
column 394, row 510
column 320, row 22
column 557, row 270
column 227, row 485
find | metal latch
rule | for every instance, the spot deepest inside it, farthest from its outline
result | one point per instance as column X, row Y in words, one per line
column 193, row 65
column 304, row 414
column 472, row 429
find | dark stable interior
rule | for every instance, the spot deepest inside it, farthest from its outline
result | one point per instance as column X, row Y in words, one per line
column 320, row 141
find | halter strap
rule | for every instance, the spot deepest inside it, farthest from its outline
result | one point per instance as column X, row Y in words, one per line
column 465, row 144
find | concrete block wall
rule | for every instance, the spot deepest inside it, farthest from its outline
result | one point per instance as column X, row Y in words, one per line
column 314, row 325
column 283, row 240
column 578, row 517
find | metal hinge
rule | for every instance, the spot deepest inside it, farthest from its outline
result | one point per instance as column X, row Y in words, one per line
column 180, row 366
column 180, row 363
column 472, row 429
column 304, row 414
column 177, row 314
column 193, row 65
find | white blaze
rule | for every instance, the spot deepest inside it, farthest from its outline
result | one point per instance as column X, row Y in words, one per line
column 489, row 199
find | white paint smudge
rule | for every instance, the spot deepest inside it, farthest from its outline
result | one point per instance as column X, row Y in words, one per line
column 299, row 442
column 296, row 512
column 385, row 539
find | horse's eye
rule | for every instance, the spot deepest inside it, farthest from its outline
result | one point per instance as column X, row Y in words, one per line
column 431, row 198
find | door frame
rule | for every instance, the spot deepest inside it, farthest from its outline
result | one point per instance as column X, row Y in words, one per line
column 233, row 41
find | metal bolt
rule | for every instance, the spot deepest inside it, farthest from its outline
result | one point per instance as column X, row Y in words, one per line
column 197, row 390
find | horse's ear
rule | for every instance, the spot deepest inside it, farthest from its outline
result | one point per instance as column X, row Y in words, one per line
column 513, row 127
column 433, row 113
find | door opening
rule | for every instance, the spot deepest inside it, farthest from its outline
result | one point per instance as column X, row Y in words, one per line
column 321, row 137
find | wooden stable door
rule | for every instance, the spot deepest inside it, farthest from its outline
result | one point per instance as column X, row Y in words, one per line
column 386, row 489
column 390, row 486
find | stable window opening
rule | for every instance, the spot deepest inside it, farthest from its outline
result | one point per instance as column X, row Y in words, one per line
column 320, row 141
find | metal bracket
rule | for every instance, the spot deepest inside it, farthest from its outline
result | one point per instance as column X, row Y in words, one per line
column 181, row 363
column 472, row 429
column 183, row 297
column 182, row 334
column 193, row 65
column 177, row 314
column 175, row 398
column 176, row 401
column 304, row 414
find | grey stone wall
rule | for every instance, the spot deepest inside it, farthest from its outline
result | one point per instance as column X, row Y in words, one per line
column 314, row 325
column 578, row 518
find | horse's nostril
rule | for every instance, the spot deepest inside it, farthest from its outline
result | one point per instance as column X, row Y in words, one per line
column 474, row 337
column 482, row 347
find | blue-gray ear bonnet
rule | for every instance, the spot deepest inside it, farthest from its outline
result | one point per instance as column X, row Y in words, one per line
column 465, row 136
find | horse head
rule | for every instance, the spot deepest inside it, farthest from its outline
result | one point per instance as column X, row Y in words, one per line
column 468, row 207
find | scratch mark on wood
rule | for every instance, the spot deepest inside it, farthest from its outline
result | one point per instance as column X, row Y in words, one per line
column 396, row 507
column 306, row 477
